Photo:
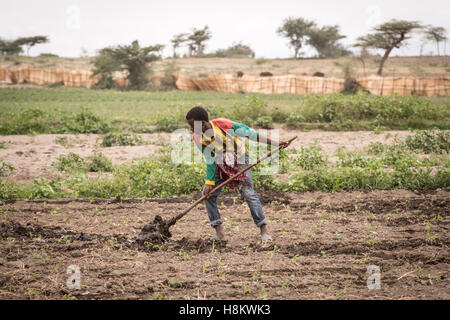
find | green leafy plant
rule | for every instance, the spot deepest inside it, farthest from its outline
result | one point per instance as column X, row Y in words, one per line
column 6, row 169
column 264, row 122
column 120, row 139
column 310, row 157
column 70, row 161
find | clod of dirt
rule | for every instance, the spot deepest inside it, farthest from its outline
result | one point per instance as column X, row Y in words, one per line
column 156, row 231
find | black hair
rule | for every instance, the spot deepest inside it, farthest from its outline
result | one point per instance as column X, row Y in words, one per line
column 198, row 114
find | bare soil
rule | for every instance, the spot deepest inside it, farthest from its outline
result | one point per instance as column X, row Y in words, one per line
column 323, row 245
column 32, row 156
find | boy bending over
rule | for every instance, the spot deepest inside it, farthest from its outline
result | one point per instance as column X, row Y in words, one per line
column 225, row 155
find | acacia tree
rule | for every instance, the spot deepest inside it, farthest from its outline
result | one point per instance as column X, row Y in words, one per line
column 177, row 41
column 296, row 30
column 197, row 40
column 31, row 41
column 436, row 34
column 14, row 47
column 9, row 47
column 325, row 41
column 388, row 36
column 131, row 58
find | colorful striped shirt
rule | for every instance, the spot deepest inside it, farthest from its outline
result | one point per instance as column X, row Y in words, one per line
column 226, row 137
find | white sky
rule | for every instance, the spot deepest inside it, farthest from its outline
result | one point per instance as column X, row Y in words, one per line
column 94, row 24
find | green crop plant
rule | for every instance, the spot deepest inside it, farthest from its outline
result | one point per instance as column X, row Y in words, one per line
column 112, row 139
column 246, row 289
column 6, row 168
column 221, row 269
column 175, row 284
column 157, row 296
column 310, row 157
column 263, row 294
column 255, row 275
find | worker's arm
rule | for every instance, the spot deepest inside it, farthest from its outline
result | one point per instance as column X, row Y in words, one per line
column 243, row 131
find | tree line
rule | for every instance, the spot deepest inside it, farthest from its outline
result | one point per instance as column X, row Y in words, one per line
column 299, row 32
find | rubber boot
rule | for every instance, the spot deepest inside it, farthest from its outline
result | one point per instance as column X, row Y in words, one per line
column 220, row 234
column 265, row 236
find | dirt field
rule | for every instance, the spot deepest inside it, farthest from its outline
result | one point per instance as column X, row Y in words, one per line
column 32, row 156
column 323, row 242
column 323, row 245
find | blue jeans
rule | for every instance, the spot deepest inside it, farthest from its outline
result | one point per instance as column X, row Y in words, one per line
column 249, row 195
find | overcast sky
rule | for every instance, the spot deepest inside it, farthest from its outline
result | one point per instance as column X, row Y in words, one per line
column 94, row 24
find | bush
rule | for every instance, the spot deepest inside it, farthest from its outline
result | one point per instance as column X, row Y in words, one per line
column 167, row 124
column 56, row 84
column 235, row 50
column 5, row 168
column 260, row 61
column 105, row 82
column 429, row 141
column 70, row 162
column 168, row 81
column 45, row 188
column 73, row 162
column 353, row 160
column 252, row 108
column 28, row 121
column 48, row 55
column 99, row 162
column 294, row 121
column 264, row 122
column 310, row 158
column 120, row 139
column 160, row 178
column 333, row 180
column 330, row 112
column 85, row 122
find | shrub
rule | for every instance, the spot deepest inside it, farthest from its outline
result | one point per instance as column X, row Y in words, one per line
column 260, row 61
column 120, row 139
column 429, row 141
column 99, row 162
column 5, row 168
column 253, row 108
column 70, row 162
column 56, row 84
column 73, row 162
column 235, row 50
column 105, row 82
column 264, row 122
column 168, row 81
column 85, row 122
column 294, row 121
column 330, row 112
column 45, row 188
column 48, row 55
column 352, row 160
column 167, row 124
column 310, row 158
column 160, row 178
column 31, row 120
